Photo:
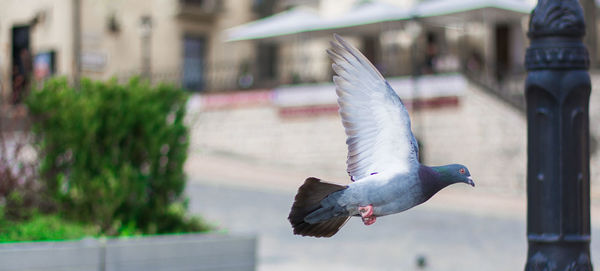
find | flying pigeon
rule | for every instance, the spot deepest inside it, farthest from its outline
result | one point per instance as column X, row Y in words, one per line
column 382, row 155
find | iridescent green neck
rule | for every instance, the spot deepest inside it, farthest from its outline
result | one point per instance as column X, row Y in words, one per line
column 444, row 173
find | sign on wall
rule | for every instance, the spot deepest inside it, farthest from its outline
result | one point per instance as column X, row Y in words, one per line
column 44, row 65
column 93, row 61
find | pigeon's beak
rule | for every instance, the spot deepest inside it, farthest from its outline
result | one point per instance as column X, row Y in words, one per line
column 470, row 181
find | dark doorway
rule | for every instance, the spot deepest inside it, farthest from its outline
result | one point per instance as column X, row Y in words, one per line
column 502, row 51
column 21, row 63
column 267, row 59
column 431, row 53
column 370, row 49
column 193, row 62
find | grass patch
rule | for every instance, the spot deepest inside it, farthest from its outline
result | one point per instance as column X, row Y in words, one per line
column 44, row 228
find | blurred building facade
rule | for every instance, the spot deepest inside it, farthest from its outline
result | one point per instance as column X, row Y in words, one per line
column 484, row 38
column 168, row 40
column 183, row 41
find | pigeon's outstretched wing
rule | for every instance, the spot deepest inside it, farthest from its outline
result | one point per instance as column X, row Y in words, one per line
column 377, row 124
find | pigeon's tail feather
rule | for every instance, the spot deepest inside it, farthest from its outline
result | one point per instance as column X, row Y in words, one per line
column 308, row 200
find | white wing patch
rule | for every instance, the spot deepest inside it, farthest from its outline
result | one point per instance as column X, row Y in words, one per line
column 377, row 124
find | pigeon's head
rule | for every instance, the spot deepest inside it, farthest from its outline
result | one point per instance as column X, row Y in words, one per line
column 456, row 173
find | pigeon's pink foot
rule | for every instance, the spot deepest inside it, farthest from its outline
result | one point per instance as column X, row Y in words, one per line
column 366, row 212
column 369, row 220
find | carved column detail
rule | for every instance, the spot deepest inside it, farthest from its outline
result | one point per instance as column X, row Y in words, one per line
column 557, row 92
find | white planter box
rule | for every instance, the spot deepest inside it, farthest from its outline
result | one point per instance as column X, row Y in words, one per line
column 154, row 253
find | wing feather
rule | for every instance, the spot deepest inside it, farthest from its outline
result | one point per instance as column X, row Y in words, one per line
column 377, row 125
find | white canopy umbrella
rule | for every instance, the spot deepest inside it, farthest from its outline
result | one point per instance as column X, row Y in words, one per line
column 460, row 11
column 445, row 7
column 285, row 23
column 366, row 15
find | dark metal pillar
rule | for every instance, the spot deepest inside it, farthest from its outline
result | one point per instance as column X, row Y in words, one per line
column 557, row 91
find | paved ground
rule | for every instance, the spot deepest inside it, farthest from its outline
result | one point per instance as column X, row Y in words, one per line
column 460, row 229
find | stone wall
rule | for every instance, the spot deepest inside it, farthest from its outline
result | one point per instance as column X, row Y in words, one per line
column 482, row 133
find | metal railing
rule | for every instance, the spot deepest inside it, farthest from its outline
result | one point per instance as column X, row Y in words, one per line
column 239, row 75
column 509, row 90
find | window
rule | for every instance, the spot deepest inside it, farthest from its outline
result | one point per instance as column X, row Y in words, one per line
column 193, row 63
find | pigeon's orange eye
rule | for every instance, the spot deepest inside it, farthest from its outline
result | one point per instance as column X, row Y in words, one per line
column 462, row 171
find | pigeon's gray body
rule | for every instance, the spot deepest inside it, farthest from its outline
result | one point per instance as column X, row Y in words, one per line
column 382, row 154
column 387, row 194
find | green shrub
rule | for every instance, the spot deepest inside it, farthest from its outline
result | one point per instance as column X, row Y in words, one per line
column 112, row 155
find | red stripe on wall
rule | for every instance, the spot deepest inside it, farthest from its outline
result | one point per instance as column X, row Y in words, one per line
column 320, row 110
